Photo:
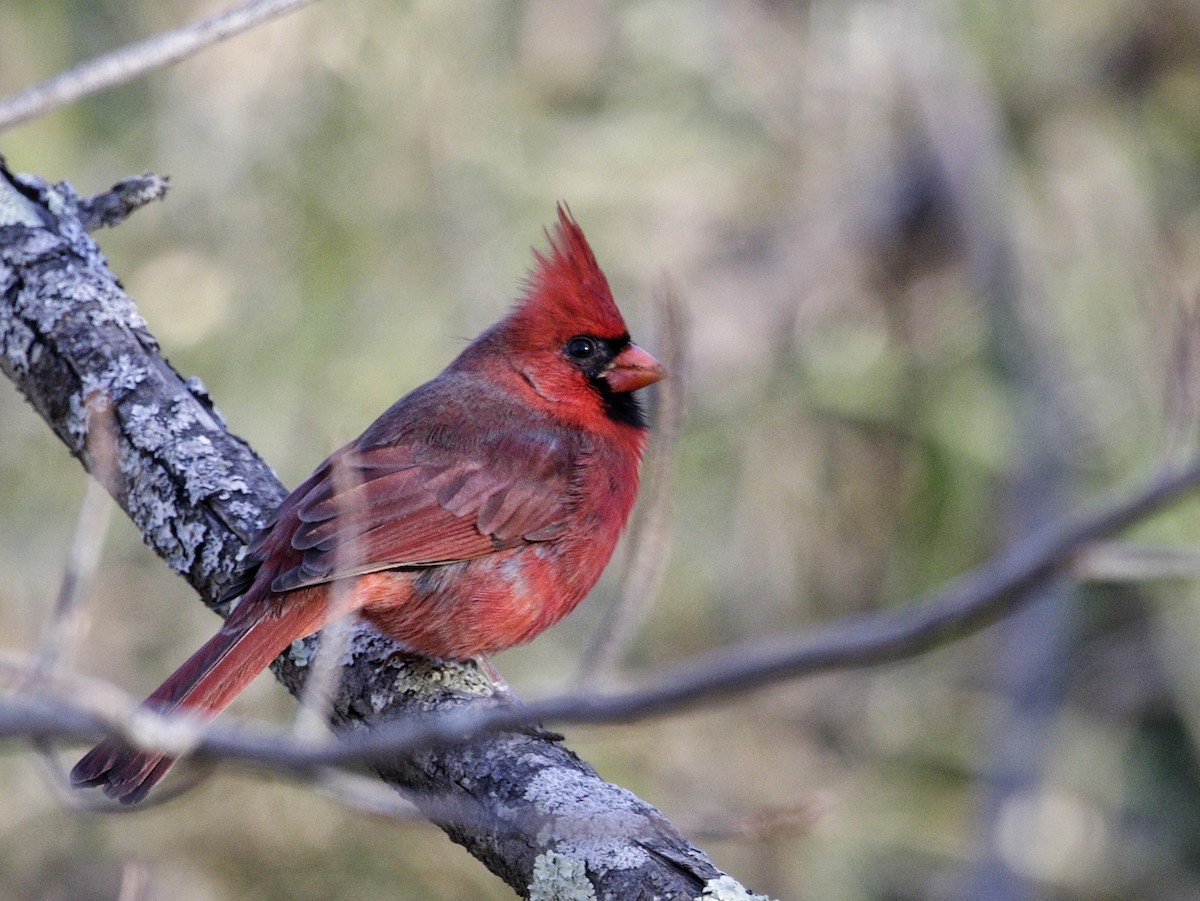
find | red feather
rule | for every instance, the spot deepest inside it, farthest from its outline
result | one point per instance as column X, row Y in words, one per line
column 475, row 512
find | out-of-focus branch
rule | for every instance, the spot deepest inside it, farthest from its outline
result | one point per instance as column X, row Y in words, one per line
column 1121, row 561
column 977, row 599
column 535, row 814
column 62, row 631
column 650, row 536
column 138, row 59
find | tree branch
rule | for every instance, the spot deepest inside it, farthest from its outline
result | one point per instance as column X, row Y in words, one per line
column 536, row 815
column 138, row 59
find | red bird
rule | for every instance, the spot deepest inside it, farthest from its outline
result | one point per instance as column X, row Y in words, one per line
column 474, row 513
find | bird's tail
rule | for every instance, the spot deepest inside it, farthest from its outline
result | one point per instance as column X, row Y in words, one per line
column 203, row 687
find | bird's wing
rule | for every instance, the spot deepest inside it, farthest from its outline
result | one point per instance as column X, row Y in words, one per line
column 418, row 504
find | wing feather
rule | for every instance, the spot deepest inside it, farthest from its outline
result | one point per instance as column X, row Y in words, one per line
column 419, row 503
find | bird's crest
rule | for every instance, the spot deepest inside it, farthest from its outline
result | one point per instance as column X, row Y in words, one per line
column 567, row 284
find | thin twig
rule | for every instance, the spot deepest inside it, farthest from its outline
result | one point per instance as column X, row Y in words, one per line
column 325, row 670
column 135, row 882
column 368, row 795
column 650, row 537
column 1182, row 379
column 1123, row 561
column 102, row 699
column 136, row 60
column 91, row 528
column 757, row 825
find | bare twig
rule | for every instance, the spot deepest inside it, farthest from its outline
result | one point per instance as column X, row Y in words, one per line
column 138, row 59
column 1123, row 561
column 135, row 882
column 367, row 795
column 91, row 528
column 325, row 670
column 93, row 699
column 756, row 825
column 650, row 536
column 1182, row 378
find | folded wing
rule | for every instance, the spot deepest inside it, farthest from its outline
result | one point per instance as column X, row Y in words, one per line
column 420, row 504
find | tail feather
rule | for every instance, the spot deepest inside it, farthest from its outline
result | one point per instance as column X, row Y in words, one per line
column 204, row 686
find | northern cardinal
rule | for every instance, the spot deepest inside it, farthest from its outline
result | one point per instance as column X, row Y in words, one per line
column 477, row 511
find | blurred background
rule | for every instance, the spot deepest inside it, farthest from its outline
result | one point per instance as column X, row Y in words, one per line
column 941, row 262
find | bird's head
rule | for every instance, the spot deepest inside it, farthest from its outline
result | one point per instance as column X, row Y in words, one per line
column 566, row 338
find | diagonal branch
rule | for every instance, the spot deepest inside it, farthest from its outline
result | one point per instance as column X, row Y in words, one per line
column 523, row 804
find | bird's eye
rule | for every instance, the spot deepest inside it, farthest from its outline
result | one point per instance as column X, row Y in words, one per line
column 581, row 347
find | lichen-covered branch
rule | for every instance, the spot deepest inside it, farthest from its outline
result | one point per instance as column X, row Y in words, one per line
column 523, row 804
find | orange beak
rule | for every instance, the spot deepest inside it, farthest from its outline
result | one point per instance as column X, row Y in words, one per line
column 633, row 368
